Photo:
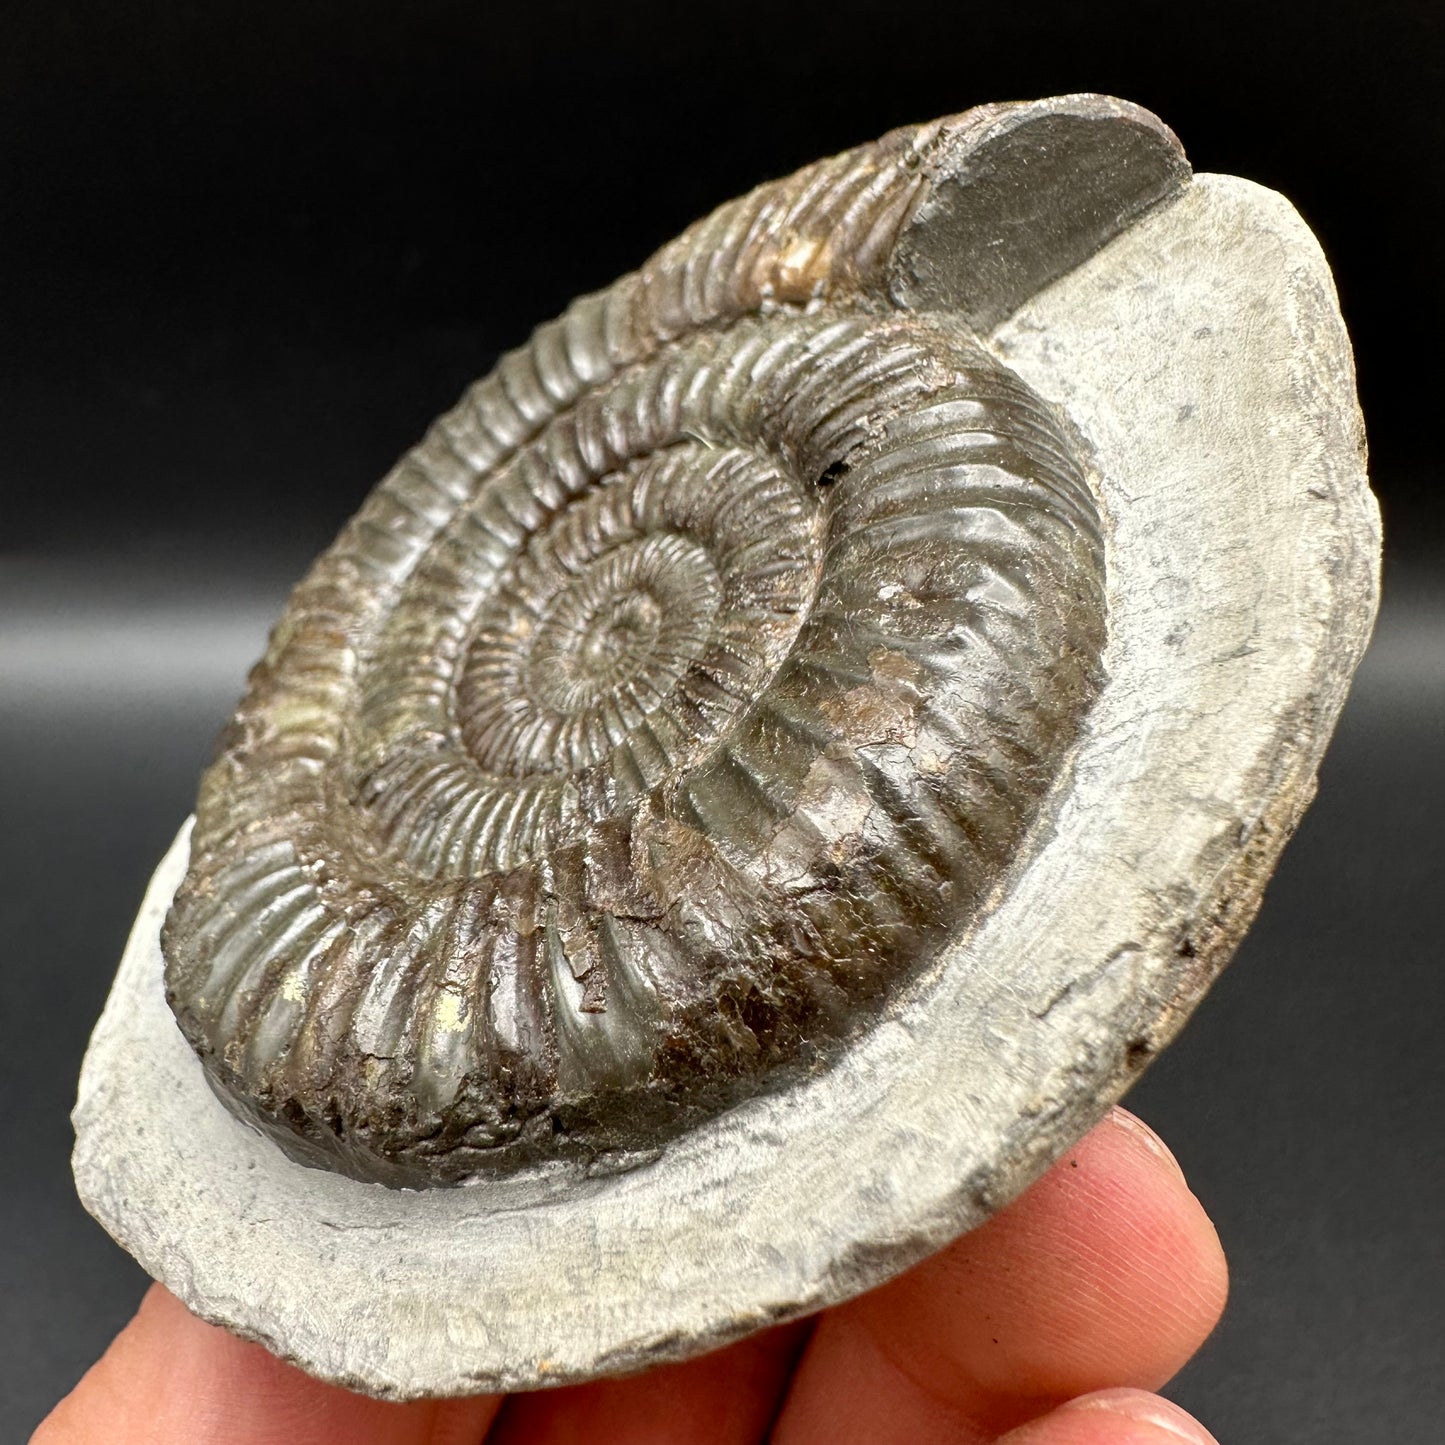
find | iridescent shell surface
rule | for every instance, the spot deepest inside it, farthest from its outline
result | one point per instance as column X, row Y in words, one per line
column 656, row 719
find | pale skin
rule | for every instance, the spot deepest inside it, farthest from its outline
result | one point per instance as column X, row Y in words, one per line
column 1050, row 1325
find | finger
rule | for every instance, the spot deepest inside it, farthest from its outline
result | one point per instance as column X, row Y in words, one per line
column 1106, row 1272
column 1113, row 1417
column 169, row 1379
column 727, row 1398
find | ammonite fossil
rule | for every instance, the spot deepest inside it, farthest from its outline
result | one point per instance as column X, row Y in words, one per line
column 656, row 716
column 761, row 776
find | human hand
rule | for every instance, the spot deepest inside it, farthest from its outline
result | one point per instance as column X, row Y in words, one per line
column 1046, row 1326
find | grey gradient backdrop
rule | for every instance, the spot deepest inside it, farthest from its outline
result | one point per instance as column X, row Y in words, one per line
column 245, row 257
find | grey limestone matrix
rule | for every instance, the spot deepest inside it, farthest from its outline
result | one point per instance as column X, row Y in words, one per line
column 760, row 777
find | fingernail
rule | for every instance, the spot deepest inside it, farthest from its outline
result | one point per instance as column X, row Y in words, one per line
column 1145, row 1409
column 1134, row 1125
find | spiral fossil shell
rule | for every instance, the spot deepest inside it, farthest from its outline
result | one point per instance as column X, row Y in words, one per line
column 655, row 718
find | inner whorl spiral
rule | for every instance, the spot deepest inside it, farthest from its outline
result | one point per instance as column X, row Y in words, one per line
column 656, row 719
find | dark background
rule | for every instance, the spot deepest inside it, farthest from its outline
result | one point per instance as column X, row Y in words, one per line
column 247, row 252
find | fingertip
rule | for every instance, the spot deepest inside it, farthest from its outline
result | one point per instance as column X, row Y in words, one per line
column 1121, row 1118
column 1106, row 1272
column 1113, row 1417
column 1124, row 1273
column 1185, row 1234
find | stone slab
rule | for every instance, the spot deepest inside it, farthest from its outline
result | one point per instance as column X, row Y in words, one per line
column 1202, row 358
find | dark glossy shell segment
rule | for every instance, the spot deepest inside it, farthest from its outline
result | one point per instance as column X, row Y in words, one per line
column 655, row 720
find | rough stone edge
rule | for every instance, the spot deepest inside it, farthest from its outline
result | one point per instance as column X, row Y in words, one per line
column 1288, row 783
